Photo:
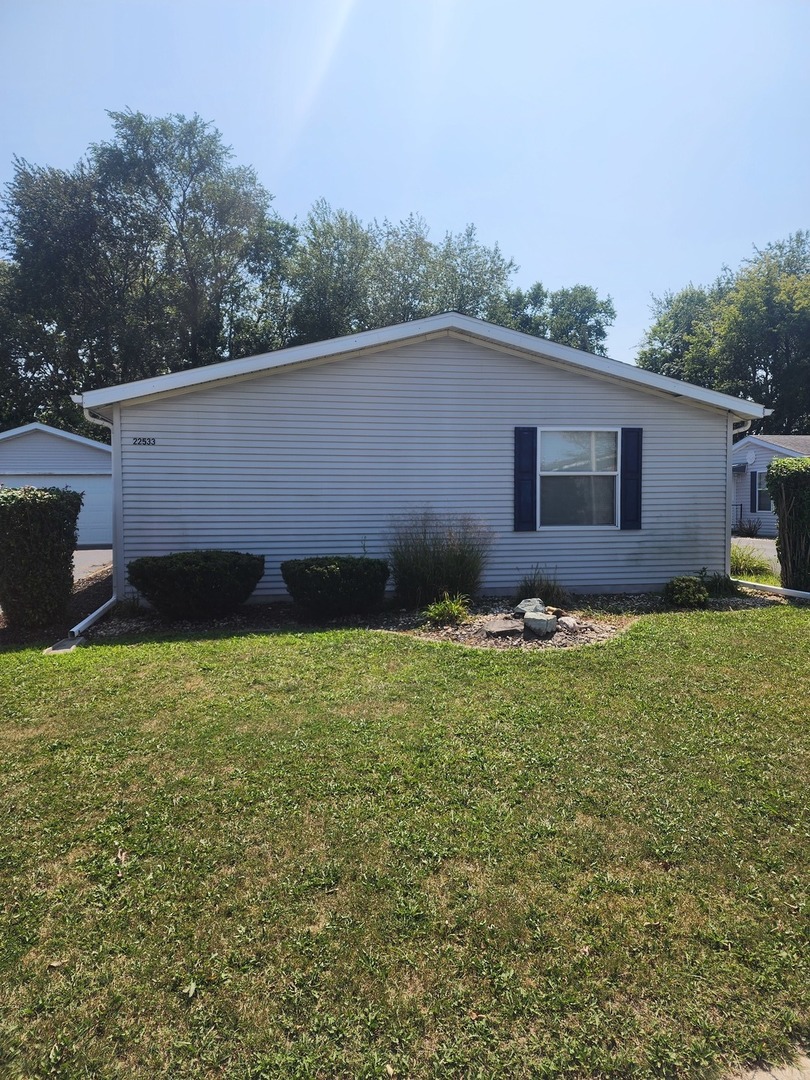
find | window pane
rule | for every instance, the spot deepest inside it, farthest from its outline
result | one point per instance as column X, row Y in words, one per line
column 577, row 500
column 578, row 451
column 763, row 495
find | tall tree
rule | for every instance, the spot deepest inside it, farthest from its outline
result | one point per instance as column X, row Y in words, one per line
column 151, row 255
column 747, row 335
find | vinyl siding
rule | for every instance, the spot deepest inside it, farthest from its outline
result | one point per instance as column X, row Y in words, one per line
column 40, row 452
column 742, row 485
column 319, row 460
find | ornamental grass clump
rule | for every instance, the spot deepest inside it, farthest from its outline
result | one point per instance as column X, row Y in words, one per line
column 336, row 584
column 37, row 541
column 206, row 584
column 747, row 563
column 788, row 481
column 433, row 555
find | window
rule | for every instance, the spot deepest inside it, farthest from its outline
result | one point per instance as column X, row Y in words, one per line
column 578, row 477
column 763, row 496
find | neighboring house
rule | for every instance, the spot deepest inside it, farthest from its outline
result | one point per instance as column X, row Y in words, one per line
column 750, row 459
column 40, row 456
column 611, row 477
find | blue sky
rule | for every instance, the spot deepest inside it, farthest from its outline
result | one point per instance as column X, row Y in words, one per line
column 632, row 146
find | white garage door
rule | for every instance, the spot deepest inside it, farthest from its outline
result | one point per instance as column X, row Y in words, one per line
column 95, row 520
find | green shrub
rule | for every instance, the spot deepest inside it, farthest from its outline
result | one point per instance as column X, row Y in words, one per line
column 749, row 527
column 37, row 541
column 686, row 592
column 205, row 584
column 449, row 611
column 545, row 586
column 718, row 585
column 336, row 584
column 432, row 555
column 788, row 481
column 746, row 562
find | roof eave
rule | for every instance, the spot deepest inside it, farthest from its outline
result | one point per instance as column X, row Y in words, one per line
column 434, row 325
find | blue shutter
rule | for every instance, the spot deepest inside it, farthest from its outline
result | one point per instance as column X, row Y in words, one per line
column 525, row 479
column 630, row 480
column 754, row 486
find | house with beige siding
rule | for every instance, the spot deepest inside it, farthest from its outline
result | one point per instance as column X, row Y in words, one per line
column 750, row 458
column 611, row 477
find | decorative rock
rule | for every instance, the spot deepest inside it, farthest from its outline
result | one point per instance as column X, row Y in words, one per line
column 568, row 623
column 533, row 604
column 540, row 623
column 503, row 626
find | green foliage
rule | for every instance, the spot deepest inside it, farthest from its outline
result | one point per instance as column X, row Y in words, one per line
column 718, row 585
column 747, row 335
column 37, row 541
column 688, row 591
column 206, row 584
column 155, row 253
column 746, row 562
column 449, row 610
column 336, row 584
column 788, row 481
column 570, row 316
column 543, row 585
column 432, row 556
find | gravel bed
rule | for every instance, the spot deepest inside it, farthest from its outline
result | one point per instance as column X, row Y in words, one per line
column 600, row 618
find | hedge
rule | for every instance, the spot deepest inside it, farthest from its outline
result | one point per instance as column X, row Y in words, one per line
column 205, row 584
column 37, row 541
column 788, row 481
column 336, row 584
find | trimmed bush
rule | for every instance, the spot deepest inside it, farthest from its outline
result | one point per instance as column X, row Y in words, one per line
column 432, row 555
column 37, row 541
column 207, row 584
column 788, row 481
column 336, row 584
column 686, row 592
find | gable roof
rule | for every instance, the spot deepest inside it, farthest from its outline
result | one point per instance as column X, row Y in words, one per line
column 787, row 445
column 27, row 429
column 450, row 323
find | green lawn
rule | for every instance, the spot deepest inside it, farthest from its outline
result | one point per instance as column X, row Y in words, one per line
column 354, row 854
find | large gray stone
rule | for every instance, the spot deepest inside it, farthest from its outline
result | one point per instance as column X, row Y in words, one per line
column 568, row 623
column 503, row 626
column 532, row 604
column 540, row 623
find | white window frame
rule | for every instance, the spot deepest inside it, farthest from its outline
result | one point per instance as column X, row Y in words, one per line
column 761, row 488
column 617, row 475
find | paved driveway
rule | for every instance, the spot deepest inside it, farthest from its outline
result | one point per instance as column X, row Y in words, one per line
column 88, row 560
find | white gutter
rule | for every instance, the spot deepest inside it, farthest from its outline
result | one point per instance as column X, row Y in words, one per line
column 85, row 624
column 775, row 589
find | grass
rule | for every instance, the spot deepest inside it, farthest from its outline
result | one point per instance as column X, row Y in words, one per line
column 350, row 854
column 747, row 563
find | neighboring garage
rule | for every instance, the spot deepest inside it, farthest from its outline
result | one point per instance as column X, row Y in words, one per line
column 40, row 456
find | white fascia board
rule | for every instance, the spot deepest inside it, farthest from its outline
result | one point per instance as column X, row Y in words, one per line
column 449, row 322
column 81, row 439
